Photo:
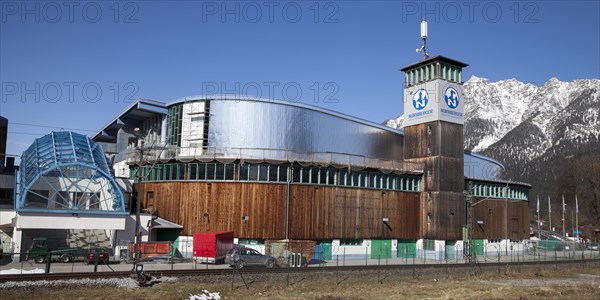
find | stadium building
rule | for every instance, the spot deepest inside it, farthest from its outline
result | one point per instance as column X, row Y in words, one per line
column 277, row 170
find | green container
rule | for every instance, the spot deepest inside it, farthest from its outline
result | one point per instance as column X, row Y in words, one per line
column 407, row 249
column 327, row 249
column 381, row 249
column 478, row 247
column 551, row 245
column 450, row 249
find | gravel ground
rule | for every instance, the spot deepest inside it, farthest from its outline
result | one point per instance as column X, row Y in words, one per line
column 81, row 283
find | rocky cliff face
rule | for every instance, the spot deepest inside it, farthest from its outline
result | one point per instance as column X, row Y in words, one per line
column 546, row 135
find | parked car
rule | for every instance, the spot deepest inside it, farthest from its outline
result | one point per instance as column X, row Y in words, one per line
column 240, row 256
column 102, row 258
column 592, row 246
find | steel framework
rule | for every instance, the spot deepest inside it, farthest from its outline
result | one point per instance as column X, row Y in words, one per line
column 66, row 172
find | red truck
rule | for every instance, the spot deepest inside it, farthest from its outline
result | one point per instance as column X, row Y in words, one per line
column 212, row 246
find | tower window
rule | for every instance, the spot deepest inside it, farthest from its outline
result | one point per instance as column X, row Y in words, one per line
column 149, row 199
column 428, row 150
column 428, row 128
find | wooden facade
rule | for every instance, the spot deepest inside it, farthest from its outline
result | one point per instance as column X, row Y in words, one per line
column 442, row 173
column 444, row 215
column 501, row 219
column 351, row 213
column 439, row 146
column 258, row 210
column 203, row 206
column 442, row 139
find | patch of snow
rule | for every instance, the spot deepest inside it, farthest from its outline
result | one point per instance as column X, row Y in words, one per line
column 206, row 295
column 19, row 271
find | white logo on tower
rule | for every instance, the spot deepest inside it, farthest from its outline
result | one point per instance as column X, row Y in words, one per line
column 451, row 97
column 420, row 99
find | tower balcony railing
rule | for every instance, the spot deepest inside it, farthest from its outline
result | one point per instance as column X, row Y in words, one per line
column 164, row 154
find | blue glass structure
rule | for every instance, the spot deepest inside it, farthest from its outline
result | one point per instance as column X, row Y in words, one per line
column 66, row 172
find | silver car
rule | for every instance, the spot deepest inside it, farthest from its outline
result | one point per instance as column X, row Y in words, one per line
column 240, row 256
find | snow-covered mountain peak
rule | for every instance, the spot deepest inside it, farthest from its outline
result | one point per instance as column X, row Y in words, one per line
column 494, row 109
column 477, row 79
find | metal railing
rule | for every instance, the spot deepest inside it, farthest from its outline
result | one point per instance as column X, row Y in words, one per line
column 258, row 155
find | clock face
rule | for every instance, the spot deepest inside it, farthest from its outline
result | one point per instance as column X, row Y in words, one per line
column 451, row 97
column 420, row 99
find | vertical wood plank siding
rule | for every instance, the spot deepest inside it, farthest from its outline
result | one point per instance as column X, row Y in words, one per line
column 185, row 203
column 417, row 139
column 322, row 212
column 346, row 213
column 493, row 214
column 447, row 216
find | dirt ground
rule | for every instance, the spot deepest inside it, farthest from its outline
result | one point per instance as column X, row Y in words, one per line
column 509, row 284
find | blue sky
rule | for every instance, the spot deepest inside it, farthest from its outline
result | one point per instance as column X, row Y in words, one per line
column 77, row 64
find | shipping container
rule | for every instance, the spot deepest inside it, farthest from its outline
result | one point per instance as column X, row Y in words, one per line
column 212, row 246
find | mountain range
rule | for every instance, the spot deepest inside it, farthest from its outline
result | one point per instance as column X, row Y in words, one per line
column 548, row 136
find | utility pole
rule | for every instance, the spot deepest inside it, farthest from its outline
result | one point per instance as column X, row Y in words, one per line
column 577, row 217
column 563, row 215
column 138, row 199
column 469, row 255
column 538, row 217
column 549, row 215
column 506, row 218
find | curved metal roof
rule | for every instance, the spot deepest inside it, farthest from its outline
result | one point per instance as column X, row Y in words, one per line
column 229, row 97
column 66, row 171
column 487, row 158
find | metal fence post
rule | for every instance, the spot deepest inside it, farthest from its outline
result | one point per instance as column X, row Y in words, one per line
column 344, row 257
column 570, row 263
column 378, row 265
column 414, row 265
column 48, row 258
column 498, row 262
column 96, row 254
column 337, row 269
column 288, row 269
column 366, row 256
column 446, row 259
column 232, row 277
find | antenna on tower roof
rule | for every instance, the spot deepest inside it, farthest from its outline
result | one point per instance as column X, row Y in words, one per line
column 424, row 39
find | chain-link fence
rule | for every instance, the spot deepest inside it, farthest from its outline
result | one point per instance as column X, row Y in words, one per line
column 182, row 255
